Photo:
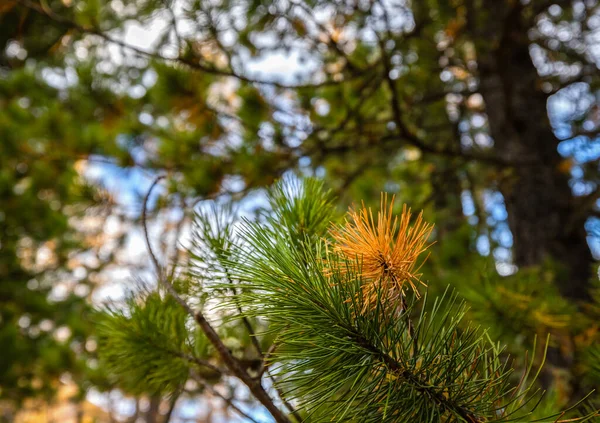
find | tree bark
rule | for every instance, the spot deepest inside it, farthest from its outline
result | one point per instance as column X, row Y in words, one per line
column 539, row 202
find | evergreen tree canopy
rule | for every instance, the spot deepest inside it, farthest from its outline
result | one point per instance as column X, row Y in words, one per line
column 351, row 340
column 482, row 113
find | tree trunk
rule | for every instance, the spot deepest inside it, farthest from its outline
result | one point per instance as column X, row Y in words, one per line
column 538, row 198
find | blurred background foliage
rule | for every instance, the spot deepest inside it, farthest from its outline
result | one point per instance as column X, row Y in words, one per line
column 483, row 113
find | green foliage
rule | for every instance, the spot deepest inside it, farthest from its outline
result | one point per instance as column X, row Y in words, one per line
column 593, row 357
column 515, row 307
column 42, row 196
column 303, row 210
column 341, row 364
column 392, row 98
column 212, row 243
column 142, row 345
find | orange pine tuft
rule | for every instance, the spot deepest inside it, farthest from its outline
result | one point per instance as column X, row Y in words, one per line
column 387, row 249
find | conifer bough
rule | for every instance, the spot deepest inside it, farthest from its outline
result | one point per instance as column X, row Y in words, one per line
column 346, row 339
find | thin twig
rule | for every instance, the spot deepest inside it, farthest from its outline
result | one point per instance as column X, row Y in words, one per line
column 330, row 40
column 406, row 134
column 188, row 357
column 246, row 322
column 169, row 8
column 175, row 252
column 216, row 393
column 193, row 64
column 200, row 362
column 172, row 404
column 157, row 267
column 265, row 369
column 267, row 357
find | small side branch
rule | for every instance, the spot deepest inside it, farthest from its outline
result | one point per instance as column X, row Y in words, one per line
column 234, row 365
column 245, row 320
column 216, row 393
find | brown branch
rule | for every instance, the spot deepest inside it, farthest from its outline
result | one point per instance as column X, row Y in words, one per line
column 233, row 364
column 213, row 28
column 188, row 357
column 169, row 7
column 404, row 132
column 200, row 362
column 285, row 402
column 250, row 330
column 157, row 267
column 267, row 357
column 216, row 393
column 193, row 64
column 368, row 86
column 426, row 148
column 256, row 344
column 265, row 368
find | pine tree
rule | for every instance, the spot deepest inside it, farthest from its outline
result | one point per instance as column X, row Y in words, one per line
column 351, row 333
column 437, row 101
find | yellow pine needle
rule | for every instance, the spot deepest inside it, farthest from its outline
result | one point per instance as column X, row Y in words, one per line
column 386, row 249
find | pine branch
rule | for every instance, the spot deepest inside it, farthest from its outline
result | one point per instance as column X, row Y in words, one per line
column 404, row 133
column 233, row 364
column 230, row 361
column 422, row 386
column 364, row 360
